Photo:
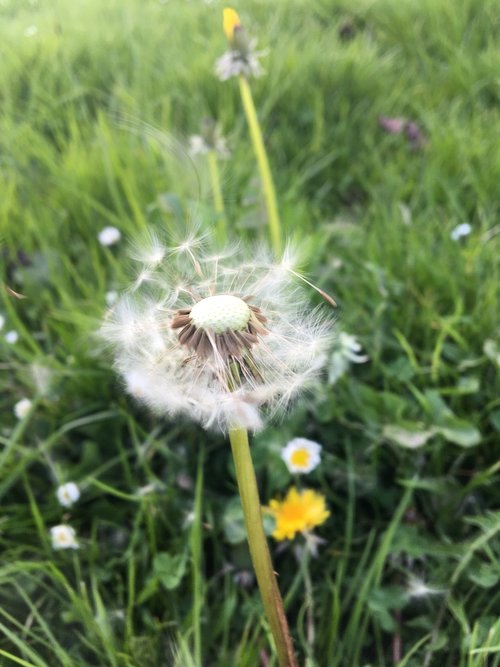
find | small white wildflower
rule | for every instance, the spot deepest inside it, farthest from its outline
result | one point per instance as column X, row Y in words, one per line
column 109, row 236
column 220, row 346
column 460, row 231
column 63, row 537
column 11, row 337
column 416, row 588
column 31, row 31
column 146, row 490
column 111, row 297
column 301, row 455
column 22, row 407
column 67, row 494
column 2, row 321
column 346, row 351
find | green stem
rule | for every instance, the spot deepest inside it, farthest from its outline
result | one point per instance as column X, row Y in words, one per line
column 217, row 195
column 263, row 163
column 196, row 556
column 259, row 550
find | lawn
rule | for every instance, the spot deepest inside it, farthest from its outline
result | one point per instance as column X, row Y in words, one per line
column 381, row 125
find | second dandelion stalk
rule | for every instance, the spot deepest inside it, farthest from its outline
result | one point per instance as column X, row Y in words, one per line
column 263, row 164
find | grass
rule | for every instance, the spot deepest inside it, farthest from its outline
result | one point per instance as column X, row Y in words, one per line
column 90, row 104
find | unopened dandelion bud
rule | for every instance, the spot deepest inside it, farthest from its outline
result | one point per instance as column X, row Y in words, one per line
column 235, row 32
column 230, row 23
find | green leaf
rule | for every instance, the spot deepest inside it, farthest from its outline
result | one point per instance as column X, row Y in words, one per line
column 460, row 432
column 169, row 569
column 233, row 522
column 468, row 385
column 484, row 575
column 410, row 436
column 492, row 351
column 150, row 588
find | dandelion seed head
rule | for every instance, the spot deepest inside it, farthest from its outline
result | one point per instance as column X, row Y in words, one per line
column 216, row 338
column 235, row 63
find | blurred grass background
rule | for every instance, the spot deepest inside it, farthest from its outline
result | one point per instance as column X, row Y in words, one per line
column 97, row 102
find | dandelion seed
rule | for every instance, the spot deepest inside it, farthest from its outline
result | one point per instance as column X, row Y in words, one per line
column 109, row 236
column 460, row 231
column 11, row 337
column 67, row 494
column 301, row 455
column 228, row 347
column 22, row 408
column 299, row 512
column 63, row 537
column 242, row 58
column 2, row 322
column 150, row 252
column 346, row 352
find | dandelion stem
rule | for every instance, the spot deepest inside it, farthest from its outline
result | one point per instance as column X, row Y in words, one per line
column 259, row 550
column 195, row 540
column 217, row 195
column 263, row 164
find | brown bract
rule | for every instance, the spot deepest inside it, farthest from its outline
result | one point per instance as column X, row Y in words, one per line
column 228, row 344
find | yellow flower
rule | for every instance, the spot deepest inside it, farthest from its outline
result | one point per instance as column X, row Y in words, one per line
column 230, row 22
column 299, row 512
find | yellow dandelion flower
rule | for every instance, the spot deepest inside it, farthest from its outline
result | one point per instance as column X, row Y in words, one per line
column 298, row 512
column 230, row 22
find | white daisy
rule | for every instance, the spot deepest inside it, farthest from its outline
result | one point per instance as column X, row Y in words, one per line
column 109, row 236
column 11, row 337
column 67, row 494
column 460, row 231
column 22, row 407
column 63, row 537
column 301, row 455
